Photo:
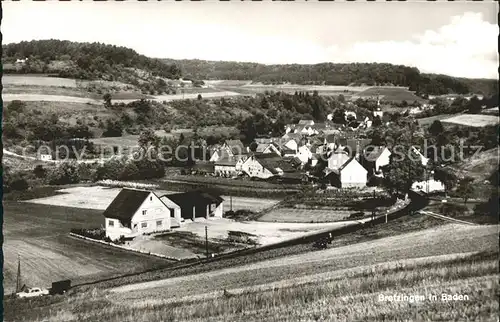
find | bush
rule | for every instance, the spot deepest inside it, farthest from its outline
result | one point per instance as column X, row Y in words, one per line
column 66, row 173
column 453, row 210
column 95, row 233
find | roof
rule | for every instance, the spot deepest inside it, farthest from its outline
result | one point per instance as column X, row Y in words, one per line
column 193, row 198
column 230, row 160
column 261, row 147
column 339, row 158
column 354, row 145
column 273, row 162
column 236, row 146
column 125, row 204
column 374, row 153
column 330, row 138
column 306, row 122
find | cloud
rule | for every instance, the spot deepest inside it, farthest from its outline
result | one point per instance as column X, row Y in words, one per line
column 466, row 47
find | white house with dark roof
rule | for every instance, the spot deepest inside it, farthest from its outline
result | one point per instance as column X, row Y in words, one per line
column 350, row 174
column 376, row 158
column 134, row 212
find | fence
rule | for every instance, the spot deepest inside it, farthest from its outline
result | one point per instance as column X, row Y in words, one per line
column 123, row 247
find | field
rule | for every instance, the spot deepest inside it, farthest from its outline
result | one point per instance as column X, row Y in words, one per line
column 351, row 278
column 38, row 234
column 480, row 167
column 472, row 120
column 427, row 121
column 266, row 232
column 38, row 81
column 98, row 198
column 389, row 94
column 244, row 87
column 304, row 215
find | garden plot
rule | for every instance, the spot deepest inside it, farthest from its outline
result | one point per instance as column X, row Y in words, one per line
column 293, row 215
column 265, row 232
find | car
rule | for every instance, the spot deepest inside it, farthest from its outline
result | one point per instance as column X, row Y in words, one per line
column 33, row 292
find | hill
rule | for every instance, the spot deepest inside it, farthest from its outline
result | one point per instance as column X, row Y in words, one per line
column 89, row 61
column 335, row 74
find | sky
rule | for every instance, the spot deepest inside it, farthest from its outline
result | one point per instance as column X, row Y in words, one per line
column 452, row 38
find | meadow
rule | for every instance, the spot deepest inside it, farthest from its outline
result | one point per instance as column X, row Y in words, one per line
column 38, row 234
column 304, row 215
column 343, row 282
column 38, row 80
column 389, row 93
column 472, row 120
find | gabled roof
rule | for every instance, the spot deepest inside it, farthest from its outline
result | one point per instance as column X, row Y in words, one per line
column 374, row 153
column 306, row 122
column 193, row 198
column 236, row 146
column 230, row 160
column 125, row 204
column 273, row 162
column 261, row 147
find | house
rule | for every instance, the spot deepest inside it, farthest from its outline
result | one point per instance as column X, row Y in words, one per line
column 337, row 159
column 306, row 122
column 134, row 212
column 376, row 158
column 265, row 166
column 353, row 146
column 267, row 148
column 45, row 157
column 291, row 140
column 21, row 61
column 420, row 156
column 196, row 204
column 350, row 175
column 233, row 147
column 229, row 166
column 303, row 154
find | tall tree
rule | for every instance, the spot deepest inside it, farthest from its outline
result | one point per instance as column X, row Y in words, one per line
column 465, row 188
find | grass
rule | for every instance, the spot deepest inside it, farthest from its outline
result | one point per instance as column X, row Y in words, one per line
column 39, row 234
column 393, row 228
column 472, row 120
column 392, row 94
column 196, row 244
column 427, row 121
column 37, row 81
column 355, row 296
column 304, row 215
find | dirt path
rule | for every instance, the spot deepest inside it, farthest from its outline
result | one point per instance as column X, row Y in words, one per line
column 453, row 220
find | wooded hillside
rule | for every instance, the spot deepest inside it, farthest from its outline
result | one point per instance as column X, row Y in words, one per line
column 336, row 74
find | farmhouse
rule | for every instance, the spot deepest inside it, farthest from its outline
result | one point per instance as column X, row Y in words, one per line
column 376, row 158
column 267, row 148
column 265, row 166
column 233, row 147
column 134, row 212
column 350, row 174
column 229, row 166
column 304, row 154
column 196, row 204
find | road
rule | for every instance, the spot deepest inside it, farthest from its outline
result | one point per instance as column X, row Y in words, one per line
column 26, row 157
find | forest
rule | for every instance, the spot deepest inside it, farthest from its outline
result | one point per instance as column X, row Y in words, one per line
column 336, row 74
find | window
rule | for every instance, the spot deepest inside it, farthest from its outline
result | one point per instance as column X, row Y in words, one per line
column 151, row 198
column 158, row 223
column 144, row 212
column 135, row 225
column 144, row 225
column 111, row 223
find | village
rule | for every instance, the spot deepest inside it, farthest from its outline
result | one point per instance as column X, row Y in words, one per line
column 297, row 173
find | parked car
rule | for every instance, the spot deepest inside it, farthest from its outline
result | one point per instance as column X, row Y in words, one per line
column 33, row 292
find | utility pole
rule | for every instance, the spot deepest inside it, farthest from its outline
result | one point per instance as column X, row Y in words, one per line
column 18, row 279
column 373, row 208
column 206, row 240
